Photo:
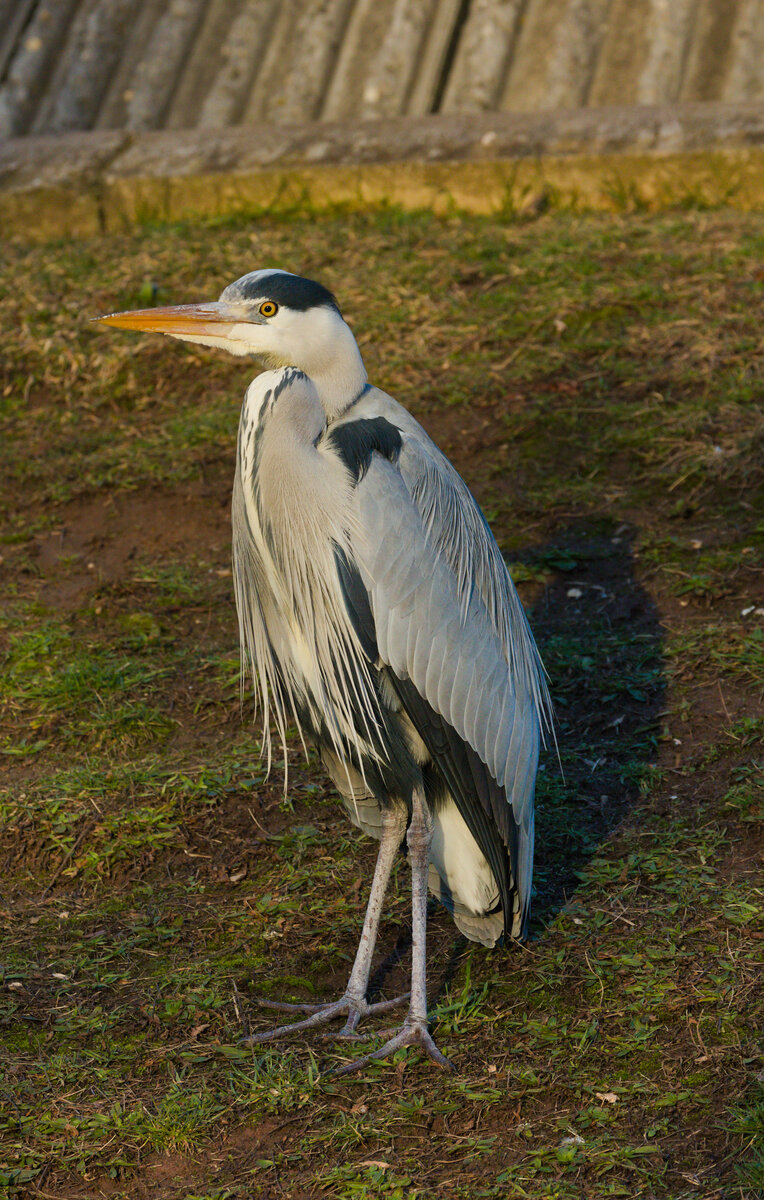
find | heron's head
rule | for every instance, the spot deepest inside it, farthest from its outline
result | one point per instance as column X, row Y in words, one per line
column 274, row 316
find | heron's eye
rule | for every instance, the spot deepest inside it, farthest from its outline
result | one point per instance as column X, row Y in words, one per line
column 268, row 308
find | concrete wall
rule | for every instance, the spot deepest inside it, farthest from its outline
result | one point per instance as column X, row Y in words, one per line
column 140, row 65
column 695, row 155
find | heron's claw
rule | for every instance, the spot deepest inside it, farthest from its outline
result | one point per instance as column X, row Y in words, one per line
column 412, row 1033
column 347, row 1006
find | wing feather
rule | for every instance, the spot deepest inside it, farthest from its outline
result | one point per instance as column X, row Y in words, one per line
column 450, row 627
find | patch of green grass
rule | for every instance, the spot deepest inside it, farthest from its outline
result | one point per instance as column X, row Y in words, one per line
column 699, row 571
column 94, row 817
column 748, row 1119
column 737, row 651
column 63, row 689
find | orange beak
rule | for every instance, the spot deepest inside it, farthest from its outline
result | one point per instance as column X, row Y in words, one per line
column 211, row 320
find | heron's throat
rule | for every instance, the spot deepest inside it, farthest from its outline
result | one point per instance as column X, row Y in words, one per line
column 338, row 373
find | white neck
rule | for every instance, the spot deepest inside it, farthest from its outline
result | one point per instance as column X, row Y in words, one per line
column 340, row 376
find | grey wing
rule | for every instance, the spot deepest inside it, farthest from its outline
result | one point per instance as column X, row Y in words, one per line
column 450, row 627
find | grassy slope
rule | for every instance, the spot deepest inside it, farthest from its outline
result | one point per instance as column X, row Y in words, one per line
column 598, row 382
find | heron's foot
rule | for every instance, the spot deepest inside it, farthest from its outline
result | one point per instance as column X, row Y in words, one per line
column 349, row 1006
column 414, row 1032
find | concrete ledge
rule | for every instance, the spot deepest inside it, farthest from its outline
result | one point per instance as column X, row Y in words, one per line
column 608, row 158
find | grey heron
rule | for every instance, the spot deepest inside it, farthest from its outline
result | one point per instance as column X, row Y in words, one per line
column 376, row 611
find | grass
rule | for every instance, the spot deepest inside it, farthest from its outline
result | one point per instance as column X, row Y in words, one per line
column 597, row 382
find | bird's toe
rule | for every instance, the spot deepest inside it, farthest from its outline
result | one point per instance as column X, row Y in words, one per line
column 282, row 1006
column 346, row 1035
column 412, row 1033
column 351, row 1006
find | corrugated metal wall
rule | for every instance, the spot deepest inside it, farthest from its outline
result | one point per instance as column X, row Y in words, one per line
column 177, row 64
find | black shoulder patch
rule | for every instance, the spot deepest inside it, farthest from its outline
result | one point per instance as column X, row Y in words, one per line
column 293, row 291
column 356, row 441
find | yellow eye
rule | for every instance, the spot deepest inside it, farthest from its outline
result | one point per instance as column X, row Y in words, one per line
column 268, row 308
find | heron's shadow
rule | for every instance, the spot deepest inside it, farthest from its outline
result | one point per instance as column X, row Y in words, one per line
column 601, row 641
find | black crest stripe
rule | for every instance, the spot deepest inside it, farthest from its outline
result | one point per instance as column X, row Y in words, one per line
column 293, row 291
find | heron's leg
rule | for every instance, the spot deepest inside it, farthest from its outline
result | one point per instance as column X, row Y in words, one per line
column 353, row 1003
column 414, row 1031
column 393, row 828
